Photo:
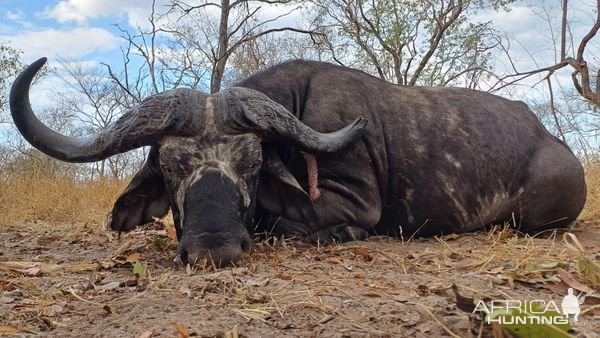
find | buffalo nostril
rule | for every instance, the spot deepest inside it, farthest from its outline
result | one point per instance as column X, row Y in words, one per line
column 183, row 255
column 247, row 244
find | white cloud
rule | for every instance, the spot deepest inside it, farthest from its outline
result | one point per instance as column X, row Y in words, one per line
column 80, row 11
column 14, row 16
column 518, row 20
column 74, row 42
column 287, row 15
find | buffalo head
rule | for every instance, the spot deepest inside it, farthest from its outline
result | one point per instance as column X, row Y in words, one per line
column 209, row 161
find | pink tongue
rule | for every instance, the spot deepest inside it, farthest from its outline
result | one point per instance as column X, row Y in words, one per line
column 313, row 177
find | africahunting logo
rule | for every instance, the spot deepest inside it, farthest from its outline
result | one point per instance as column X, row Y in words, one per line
column 532, row 312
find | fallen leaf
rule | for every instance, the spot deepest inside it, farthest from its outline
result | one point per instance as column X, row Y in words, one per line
column 5, row 329
column 133, row 257
column 556, row 288
column 159, row 244
column 450, row 237
column 139, row 269
column 146, row 334
column 181, row 330
column 363, row 252
column 568, row 279
column 550, row 266
column 359, row 276
column 30, row 268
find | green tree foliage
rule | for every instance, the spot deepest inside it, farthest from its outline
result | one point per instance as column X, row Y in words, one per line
column 412, row 42
column 10, row 65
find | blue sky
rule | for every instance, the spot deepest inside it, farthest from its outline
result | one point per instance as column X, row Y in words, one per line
column 79, row 29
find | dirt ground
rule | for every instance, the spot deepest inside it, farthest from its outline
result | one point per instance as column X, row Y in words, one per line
column 73, row 280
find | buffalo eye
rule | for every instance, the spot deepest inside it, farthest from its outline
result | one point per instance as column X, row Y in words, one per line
column 249, row 165
column 166, row 169
column 254, row 164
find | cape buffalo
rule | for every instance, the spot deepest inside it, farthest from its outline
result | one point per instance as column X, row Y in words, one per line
column 386, row 159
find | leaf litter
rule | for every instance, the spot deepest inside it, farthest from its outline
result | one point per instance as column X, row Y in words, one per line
column 383, row 287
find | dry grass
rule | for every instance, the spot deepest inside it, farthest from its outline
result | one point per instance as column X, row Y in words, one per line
column 61, row 199
column 56, row 200
column 592, row 206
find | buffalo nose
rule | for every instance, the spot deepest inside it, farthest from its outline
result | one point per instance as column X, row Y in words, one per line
column 208, row 249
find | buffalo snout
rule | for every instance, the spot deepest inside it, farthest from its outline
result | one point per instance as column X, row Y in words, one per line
column 220, row 248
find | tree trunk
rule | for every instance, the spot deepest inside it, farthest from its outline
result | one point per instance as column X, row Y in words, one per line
column 222, row 55
column 563, row 31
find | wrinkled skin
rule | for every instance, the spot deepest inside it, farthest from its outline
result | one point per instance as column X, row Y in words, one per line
column 430, row 161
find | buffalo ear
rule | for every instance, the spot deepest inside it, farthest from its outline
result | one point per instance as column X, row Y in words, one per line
column 144, row 198
column 280, row 193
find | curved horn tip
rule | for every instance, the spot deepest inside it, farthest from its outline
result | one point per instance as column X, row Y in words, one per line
column 36, row 65
column 357, row 126
column 39, row 62
column 361, row 122
column 24, row 79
